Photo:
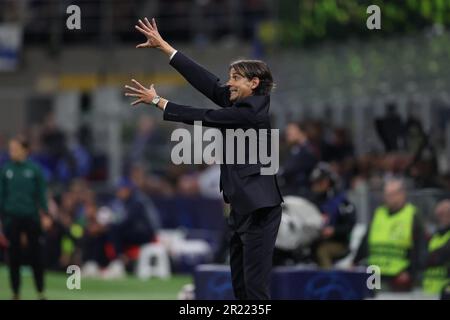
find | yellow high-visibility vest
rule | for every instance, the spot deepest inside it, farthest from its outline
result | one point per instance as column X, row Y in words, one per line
column 437, row 277
column 390, row 238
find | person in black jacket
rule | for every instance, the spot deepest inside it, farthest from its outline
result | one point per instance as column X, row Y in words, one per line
column 391, row 129
column 253, row 194
column 339, row 216
column 296, row 169
column 131, row 227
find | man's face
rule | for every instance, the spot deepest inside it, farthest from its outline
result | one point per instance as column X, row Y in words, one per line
column 91, row 211
column 16, row 151
column 293, row 134
column 240, row 86
column 442, row 213
column 394, row 196
column 320, row 186
column 123, row 193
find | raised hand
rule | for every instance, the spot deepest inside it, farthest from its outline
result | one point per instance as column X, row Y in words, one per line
column 143, row 94
column 154, row 39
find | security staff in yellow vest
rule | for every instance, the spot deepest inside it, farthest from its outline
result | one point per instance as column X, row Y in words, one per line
column 395, row 240
column 437, row 273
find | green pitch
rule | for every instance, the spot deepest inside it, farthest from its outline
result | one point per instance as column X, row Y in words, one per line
column 130, row 288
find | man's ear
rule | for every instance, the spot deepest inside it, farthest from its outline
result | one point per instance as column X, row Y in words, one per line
column 254, row 83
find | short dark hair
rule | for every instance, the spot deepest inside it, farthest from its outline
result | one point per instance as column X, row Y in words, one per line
column 258, row 69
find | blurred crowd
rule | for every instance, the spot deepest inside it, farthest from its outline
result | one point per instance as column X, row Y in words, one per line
column 411, row 247
column 406, row 152
column 93, row 223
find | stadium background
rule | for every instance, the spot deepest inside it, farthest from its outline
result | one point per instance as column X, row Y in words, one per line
column 329, row 69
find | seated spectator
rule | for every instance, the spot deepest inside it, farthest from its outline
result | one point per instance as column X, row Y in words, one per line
column 131, row 226
column 93, row 242
column 338, row 214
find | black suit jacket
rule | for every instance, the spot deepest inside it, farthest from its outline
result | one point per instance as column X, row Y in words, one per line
column 243, row 185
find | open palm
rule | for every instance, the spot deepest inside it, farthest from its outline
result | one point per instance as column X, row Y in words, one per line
column 150, row 31
column 141, row 93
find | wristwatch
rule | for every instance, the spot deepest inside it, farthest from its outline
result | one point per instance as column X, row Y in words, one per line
column 155, row 100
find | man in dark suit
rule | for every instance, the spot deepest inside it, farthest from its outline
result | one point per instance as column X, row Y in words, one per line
column 254, row 197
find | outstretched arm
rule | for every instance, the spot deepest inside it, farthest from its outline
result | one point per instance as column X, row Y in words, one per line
column 222, row 118
column 228, row 118
column 200, row 78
